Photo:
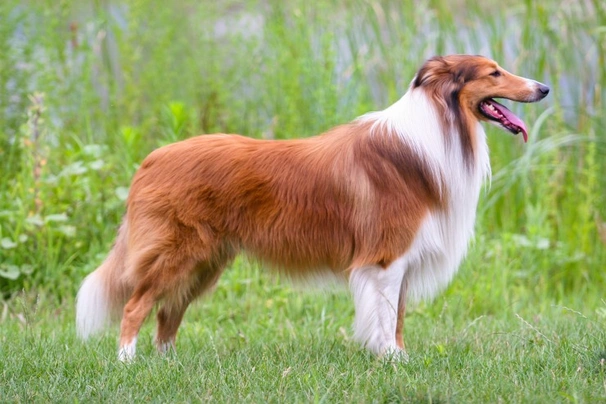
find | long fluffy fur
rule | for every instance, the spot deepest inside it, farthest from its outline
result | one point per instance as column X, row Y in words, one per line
column 103, row 293
column 387, row 201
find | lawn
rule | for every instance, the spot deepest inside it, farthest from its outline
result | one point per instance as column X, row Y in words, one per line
column 257, row 339
column 89, row 88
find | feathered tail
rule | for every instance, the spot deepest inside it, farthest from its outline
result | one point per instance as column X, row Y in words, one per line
column 104, row 292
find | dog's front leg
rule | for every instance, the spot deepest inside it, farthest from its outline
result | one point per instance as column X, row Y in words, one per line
column 377, row 298
column 401, row 314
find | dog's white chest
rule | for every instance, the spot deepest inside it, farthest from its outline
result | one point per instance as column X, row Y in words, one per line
column 444, row 236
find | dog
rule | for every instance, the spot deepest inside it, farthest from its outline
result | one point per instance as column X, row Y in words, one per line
column 386, row 202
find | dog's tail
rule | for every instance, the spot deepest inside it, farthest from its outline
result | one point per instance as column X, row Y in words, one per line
column 104, row 292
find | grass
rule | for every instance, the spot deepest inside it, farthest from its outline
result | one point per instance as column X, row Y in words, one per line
column 258, row 340
column 90, row 88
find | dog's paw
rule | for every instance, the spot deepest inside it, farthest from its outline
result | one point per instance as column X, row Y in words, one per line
column 126, row 353
column 395, row 355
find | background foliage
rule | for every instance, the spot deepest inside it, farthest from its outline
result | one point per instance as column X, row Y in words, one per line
column 89, row 88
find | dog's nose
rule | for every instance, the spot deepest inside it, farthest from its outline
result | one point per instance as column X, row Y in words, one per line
column 543, row 89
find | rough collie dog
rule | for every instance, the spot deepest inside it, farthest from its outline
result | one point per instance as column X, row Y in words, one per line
column 387, row 202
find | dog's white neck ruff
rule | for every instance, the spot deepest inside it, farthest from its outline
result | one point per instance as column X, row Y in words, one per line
column 442, row 241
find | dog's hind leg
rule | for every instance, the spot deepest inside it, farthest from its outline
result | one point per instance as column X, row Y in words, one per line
column 171, row 313
column 135, row 311
column 156, row 276
column 376, row 294
column 169, row 318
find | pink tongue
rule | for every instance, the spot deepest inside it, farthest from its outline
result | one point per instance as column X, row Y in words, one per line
column 511, row 117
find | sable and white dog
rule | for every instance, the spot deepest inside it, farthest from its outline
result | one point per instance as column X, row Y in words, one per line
column 387, row 202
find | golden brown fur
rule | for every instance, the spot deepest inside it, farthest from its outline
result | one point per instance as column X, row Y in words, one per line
column 337, row 201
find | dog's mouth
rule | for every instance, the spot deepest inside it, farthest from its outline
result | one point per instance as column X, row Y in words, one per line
column 499, row 114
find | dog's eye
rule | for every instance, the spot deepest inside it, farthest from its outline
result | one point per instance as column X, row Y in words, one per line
column 496, row 73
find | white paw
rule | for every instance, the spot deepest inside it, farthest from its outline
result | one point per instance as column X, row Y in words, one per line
column 127, row 352
column 395, row 355
column 165, row 348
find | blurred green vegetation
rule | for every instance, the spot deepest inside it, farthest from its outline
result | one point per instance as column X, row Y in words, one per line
column 89, row 88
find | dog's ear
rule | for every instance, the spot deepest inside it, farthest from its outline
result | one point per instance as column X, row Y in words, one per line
column 431, row 71
column 464, row 69
column 441, row 79
column 457, row 69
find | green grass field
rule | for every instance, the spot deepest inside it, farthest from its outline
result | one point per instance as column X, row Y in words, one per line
column 89, row 88
column 256, row 340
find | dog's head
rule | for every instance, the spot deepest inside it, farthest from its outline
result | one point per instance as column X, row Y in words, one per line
column 464, row 87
